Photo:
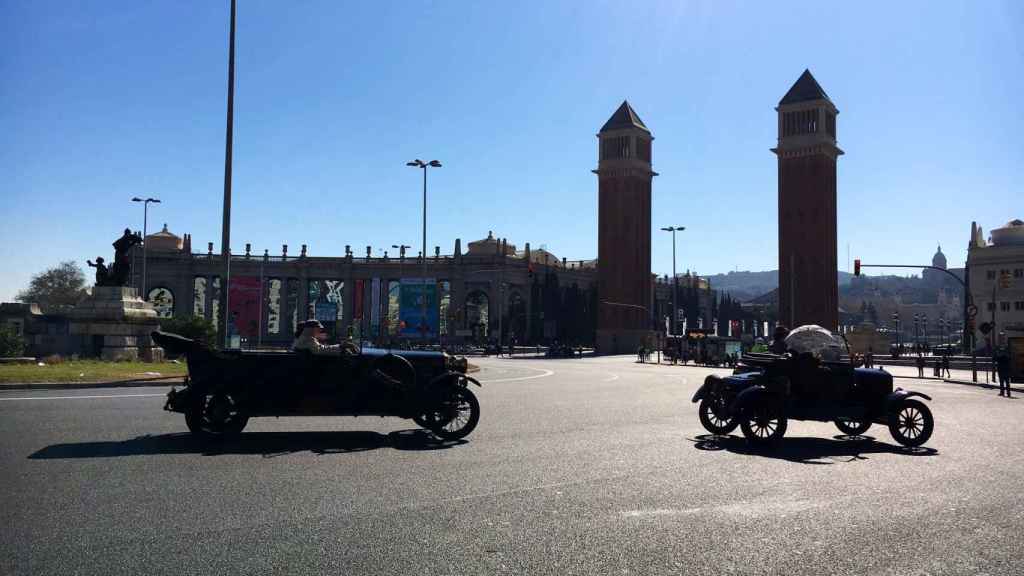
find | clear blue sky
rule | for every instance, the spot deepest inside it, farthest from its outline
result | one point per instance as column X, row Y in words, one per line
column 101, row 101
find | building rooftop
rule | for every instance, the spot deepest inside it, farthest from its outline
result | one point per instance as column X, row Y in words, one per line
column 805, row 89
column 624, row 117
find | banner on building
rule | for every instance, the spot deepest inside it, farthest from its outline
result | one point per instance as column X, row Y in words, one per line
column 244, row 301
column 357, row 299
column 375, row 307
column 412, row 322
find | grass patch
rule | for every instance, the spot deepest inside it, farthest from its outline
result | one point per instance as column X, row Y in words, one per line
column 88, row 371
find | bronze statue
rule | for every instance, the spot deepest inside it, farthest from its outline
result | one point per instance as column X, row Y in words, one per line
column 120, row 273
column 101, row 271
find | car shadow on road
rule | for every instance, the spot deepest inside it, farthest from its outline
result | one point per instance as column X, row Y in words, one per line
column 266, row 444
column 807, row 450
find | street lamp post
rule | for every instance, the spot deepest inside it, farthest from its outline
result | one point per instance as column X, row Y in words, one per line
column 417, row 163
column 924, row 330
column 917, row 338
column 899, row 343
column 145, row 219
column 675, row 280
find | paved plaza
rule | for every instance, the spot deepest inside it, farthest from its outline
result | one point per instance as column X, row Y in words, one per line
column 584, row 466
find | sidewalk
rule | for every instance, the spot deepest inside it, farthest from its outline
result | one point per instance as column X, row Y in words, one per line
column 134, row 383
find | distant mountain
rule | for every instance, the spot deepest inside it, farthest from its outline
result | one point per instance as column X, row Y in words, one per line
column 745, row 285
column 748, row 286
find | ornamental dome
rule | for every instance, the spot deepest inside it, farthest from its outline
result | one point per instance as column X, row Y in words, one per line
column 164, row 240
column 939, row 260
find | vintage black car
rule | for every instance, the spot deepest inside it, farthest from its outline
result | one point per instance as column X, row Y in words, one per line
column 766, row 390
column 224, row 389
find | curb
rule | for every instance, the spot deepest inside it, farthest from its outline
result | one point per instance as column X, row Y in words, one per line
column 989, row 385
column 139, row 383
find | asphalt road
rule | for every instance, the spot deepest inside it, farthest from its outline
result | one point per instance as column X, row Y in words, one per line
column 593, row 466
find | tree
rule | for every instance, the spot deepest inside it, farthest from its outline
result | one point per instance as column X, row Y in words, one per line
column 64, row 284
column 11, row 344
column 194, row 327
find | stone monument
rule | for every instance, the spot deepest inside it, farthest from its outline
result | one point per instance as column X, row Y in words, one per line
column 114, row 323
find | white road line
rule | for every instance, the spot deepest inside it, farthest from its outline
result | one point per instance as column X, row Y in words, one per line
column 612, row 379
column 544, row 374
column 79, row 397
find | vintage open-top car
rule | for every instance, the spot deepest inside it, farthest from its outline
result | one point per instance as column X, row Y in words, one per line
column 766, row 390
column 224, row 389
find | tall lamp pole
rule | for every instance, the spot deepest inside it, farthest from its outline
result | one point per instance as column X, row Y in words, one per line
column 225, row 240
column 417, row 163
column 675, row 280
column 145, row 219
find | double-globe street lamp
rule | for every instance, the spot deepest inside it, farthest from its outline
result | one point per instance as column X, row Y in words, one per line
column 417, row 163
column 675, row 280
column 145, row 220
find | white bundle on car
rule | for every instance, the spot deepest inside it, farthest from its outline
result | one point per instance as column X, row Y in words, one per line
column 815, row 340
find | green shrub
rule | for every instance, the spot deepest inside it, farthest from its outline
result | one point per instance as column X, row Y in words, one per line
column 11, row 345
column 194, row 327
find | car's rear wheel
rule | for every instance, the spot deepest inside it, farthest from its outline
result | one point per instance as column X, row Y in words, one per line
column 214, row 414
column 852, row 427
column 456, row 415
column 911, row 424
column 764, row 423
column 713, row 415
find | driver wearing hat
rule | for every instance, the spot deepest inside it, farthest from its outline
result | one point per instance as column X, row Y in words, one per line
column 311, row 336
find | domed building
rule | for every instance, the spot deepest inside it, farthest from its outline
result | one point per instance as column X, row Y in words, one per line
column 934, row 277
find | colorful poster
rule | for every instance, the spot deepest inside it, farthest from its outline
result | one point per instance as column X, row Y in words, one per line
column 357, row 300
column 244, row 303
column 326, row 313
column 375, row 307
column 412, row 322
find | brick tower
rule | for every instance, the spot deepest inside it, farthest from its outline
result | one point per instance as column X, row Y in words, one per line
column 624, row 286
column 807, row 153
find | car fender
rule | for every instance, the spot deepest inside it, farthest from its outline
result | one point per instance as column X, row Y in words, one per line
column 747, row 398
column 899, row 395
column 705, row 388
column 459, row 377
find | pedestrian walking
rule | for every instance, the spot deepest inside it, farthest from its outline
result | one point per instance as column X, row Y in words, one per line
column 869, row 359
column 937, row 371
column 920, row 365
column 1003, row 368
column 945, row 365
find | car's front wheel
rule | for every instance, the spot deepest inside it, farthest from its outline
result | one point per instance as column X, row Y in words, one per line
column 911, row 424
column 456, row 415
column 763, row 424
column 714, row 417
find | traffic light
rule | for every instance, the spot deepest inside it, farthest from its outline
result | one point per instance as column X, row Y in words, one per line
column 856, row 267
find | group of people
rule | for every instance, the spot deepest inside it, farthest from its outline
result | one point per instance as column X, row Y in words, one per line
column 939, row 370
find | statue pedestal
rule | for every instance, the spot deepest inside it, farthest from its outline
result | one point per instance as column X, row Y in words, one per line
column 115, row 324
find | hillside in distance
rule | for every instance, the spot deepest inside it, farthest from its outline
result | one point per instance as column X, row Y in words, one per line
column 745, row 285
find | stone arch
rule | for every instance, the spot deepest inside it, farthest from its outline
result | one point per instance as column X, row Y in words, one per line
column 478, row 314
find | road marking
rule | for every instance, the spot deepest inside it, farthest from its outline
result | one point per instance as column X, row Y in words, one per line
column 544, row 373
column 612, row 379
column 78, row 397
